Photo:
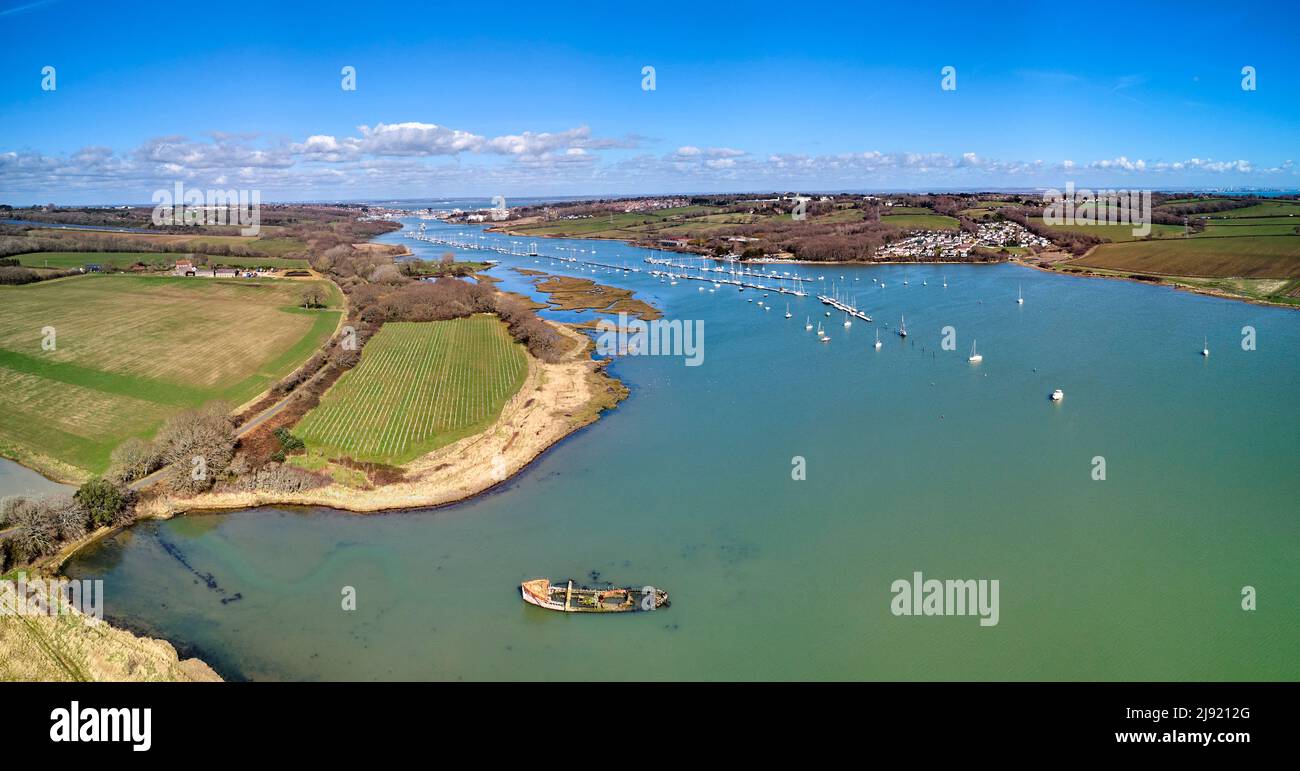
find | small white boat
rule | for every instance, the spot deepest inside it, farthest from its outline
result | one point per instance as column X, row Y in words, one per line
column 877, row 339
column 788, row 314
column 1058, row 395
column 1020, row 296
column 1205, row 347
column 808, row 324
column 975, row 357
column 902, row 327
column 847, row 321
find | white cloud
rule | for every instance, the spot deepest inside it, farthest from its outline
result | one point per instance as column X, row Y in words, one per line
column 415, row 157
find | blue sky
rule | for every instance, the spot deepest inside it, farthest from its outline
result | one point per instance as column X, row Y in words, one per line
column 547, row 99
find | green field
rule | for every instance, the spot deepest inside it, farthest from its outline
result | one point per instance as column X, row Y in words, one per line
column 158, row 259
column 129, row 351
column 1289, row 209
column 1252, row 256
column 419, row 386
column 77, row 259
column 268, row 242
column 628, row 225
column 921, row 221
column 1115, row 233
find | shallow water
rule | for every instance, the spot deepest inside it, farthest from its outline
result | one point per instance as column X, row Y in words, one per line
column 20, row 480
column 916, row 461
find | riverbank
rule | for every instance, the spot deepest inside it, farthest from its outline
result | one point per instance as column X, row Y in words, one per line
column 1228, row 288
column 555, row 400
column 74, row 647
column 1281, row 293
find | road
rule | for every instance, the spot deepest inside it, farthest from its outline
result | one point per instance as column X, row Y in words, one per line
column 243, row 430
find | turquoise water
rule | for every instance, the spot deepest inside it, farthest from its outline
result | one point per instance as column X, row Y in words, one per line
column 916, row 461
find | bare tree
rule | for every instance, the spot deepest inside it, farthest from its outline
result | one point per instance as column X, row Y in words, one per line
column 313, row 297
column 197, row 445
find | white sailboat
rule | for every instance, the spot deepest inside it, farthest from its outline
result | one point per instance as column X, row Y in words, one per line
column 902, row 327
column 1205, row 346
column 788, row 314
column 877, row 339
column 975, row 357
column 1020, row 296
column 808, row 324
column 847, row 322
column 945, row 281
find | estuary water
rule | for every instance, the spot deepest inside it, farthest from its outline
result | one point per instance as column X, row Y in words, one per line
column 915, row 459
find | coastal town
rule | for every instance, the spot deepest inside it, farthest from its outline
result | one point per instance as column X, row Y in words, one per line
column 925, row 246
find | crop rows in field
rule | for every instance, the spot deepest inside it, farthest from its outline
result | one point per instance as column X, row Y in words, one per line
column 418, row 387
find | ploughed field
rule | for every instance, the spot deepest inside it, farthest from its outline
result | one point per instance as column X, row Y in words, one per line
column 86, row 362
column 419, row 386
column 1246, row 256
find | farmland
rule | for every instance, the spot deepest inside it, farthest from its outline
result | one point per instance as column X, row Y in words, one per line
column 928, row 221
column 78, row 259
column 88, row 361
column 269, row 243
column 1267, row 209
column 686, row 220
column 1114, row 233
column 419, row 386
column 1245, row 256
column 154, row 259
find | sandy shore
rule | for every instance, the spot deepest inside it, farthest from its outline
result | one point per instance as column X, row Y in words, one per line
column 554, row 401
